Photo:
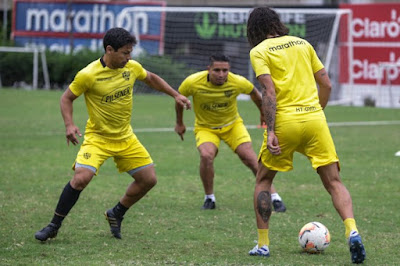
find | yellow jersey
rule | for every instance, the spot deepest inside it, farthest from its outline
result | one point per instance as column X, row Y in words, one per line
column 108, row 95
column 291, row 62
column 215, row 106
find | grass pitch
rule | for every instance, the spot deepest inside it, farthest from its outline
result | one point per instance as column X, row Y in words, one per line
column 167, row 226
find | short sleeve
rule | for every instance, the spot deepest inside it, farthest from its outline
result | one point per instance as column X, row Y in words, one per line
column 184, row 88
column 316, row 63
column 81, row 83
column 139, row 70
column 245, row 86
column 259, row 63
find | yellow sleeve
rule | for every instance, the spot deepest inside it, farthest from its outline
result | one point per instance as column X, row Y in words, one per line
column 81, row 83
column 316, row 64
column 139, row 70
column 184, row 88
column 244, row 85
column 259, row 63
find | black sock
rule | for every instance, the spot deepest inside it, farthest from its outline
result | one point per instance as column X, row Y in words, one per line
column 67, row 200
column 120, row 210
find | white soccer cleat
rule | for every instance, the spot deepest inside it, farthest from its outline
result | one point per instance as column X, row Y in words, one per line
column 263, row 251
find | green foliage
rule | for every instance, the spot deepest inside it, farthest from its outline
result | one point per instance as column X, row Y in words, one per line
column 171, row 71
column 167, row 225
column 63, row 67
column 17, row 67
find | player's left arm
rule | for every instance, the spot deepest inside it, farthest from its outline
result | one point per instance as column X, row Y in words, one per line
column 256, row 97
column 325, row 86
column 156, row 82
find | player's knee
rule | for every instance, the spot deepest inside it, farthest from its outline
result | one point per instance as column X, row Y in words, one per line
column 151, row 181
column 79, row 183
column 207, row 157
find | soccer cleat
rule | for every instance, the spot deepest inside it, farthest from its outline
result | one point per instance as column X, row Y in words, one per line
column 279, row 206
column 208, row 204
column 50, row 231
column 357, row 250
column 114, row 222
column 263, row 251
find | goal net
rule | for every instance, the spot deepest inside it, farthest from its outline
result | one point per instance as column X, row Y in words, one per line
column 188, row 36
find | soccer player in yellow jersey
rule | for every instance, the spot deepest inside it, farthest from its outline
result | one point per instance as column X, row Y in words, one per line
column 214, row 93
column 107, row 85
column 288, row 70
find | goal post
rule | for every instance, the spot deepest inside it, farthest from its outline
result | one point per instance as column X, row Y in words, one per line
column 36, row 51
column 191, row 34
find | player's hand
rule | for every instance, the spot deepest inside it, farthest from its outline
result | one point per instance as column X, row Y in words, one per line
column 70, row 134
column 180, row 130
column 183, row 101
column 273, row 144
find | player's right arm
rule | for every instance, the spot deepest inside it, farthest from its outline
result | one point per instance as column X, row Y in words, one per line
column 180, row 127
column 269, row 110
column 66, row 106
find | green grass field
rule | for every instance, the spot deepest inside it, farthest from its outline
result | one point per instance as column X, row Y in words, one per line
column 167, row 226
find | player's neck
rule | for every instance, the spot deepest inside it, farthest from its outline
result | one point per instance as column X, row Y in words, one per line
column 106, row 61
column 270, row 36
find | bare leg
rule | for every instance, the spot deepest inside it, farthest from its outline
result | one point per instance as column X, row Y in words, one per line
column 207, row 152
column 249, row 158
column 145, row 180
column 340, row 195
column 262, row 196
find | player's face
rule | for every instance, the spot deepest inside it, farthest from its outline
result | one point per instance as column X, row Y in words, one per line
column 218, row 72
column 120, row 57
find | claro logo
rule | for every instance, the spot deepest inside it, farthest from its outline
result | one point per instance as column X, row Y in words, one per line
column 95, row 20
column 366, row 70
column 366, row 28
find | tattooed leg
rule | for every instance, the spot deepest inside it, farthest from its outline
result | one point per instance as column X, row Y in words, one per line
column 264, row 206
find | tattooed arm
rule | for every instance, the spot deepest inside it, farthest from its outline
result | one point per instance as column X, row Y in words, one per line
column 324, row 84
column 269, row 109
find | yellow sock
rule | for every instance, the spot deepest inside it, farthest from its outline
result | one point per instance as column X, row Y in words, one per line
column 263, row 237
column 350, row 225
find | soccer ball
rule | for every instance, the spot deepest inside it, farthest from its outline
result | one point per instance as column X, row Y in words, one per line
column 314, row 237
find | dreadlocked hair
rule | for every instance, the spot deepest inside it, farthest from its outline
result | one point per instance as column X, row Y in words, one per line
column 264, row 21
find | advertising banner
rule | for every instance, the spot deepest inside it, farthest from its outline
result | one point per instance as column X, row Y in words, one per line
column 67, row 26
column 376, row 37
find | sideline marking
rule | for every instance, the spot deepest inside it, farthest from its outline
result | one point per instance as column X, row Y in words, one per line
column 331, row 124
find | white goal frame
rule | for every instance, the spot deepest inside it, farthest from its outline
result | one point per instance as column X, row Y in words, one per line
column 35, row 68
column 131, row 11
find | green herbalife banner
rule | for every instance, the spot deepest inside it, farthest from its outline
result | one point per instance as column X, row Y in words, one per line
column 232, row 25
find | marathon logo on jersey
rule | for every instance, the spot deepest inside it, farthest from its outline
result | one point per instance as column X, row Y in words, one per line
column 214, row 106
column 228, row 93
column 286, row 45
column 117, row 95
column 126, row 75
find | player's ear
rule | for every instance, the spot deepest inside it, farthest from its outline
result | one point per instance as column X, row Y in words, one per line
column 109, row 49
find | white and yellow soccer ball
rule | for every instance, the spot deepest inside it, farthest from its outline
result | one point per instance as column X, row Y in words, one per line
column 314, row 237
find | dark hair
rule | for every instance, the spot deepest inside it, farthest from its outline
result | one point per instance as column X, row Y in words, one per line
column 264, row 21
column 218, row 58
column 118, row 37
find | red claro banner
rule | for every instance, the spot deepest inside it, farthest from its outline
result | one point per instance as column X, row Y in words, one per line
column 376, row 38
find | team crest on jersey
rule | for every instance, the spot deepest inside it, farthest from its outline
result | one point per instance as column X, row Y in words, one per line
column 126, row 75
column 228, row 93
column 87, row 155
